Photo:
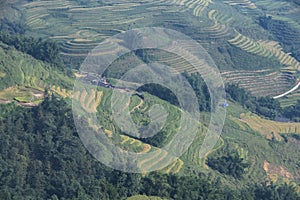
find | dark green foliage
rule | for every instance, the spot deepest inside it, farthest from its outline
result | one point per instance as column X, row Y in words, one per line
column 45, row 50
column 231, row 164
column 161, row 92
column 42, row 157
column 185, row 187
column 271, row 191
column 12, row 27
column 265, row 106
column 265, row 22
column 293, row 112
column 196, row 82
column 158, row 140
column 236, row 93
column 268, row 107
column 296, row 1
column 201, row 90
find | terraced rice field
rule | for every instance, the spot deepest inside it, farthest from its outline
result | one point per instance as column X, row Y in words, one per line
column 284, row 58
column 21, row 94
column 220, row 17
column 249, row 45
column 270, row 129
column 260, row 82
column 174, row 168
column 92, row 23
column 130, row 143
column 62, row 92
column 89, row 100
column 157, row 160
column 89, row 24
column 292, row 22
column 219, row 29
column 88, row 18
column 271, row 5
column 242, row 3
column 147, row 162
column 80, row 28
column 196, row 6
column 160, row 157
column 244, row 6
column 219, row 144
column 193, row 151
column 262, row 47
column 290, row 99
column 96, row 21
column 271, row 84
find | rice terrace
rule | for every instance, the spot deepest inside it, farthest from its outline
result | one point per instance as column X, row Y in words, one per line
column 255, row 47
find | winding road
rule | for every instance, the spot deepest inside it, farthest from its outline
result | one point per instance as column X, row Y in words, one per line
column 288, row 92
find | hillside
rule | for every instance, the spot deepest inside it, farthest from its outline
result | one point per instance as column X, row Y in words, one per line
column 63, row 128
column 243, row 37
column 24, row 79
column 238, row 139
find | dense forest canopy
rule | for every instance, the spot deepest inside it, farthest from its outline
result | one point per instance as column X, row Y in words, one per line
column 45, row 50
column 42, row 157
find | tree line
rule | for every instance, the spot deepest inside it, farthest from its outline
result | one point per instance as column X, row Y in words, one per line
column 42, row 157
column 264, row 106
column 45, row 50
column 197, row 83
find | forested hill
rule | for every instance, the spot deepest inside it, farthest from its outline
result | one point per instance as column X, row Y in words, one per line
column 42, row 157
column 253, row 43
column 45, row 50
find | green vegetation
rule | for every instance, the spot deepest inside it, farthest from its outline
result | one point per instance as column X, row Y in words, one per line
column 22, row 69
column 284, row 31
column 11, row 27
column 230, row 159
column 41, row 164
column 196, row 82
column 160, row 92
column 293, row 112
column 272, row 130
column 264, row 106
column 24, row 78
column 289, row 100
column 273, row 191
column 47, row 51
column 254, row 43
column 231, row 164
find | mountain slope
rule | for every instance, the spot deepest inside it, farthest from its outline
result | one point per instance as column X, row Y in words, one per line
column 24, row 78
